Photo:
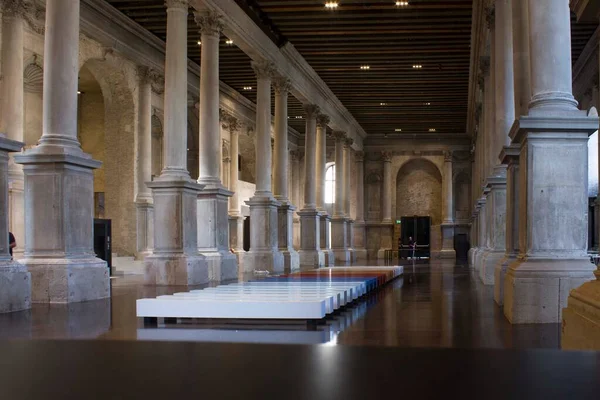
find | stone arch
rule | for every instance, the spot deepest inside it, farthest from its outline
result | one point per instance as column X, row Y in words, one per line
column 462, row 196
column 116, row 81
column 419, row 190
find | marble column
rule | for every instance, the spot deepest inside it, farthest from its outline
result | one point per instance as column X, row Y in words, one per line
column 347, row 196
column 280, row 178
column 359, row 224
column 482, row 230
column 11, row 111
column 59, row 251
column 311, row 255
column 15, row 280
column 143, row 201
column 236, row 220
column 325, row 218
column 448, row 218
column 175, row 259
column 212, row 214
column 386, row 224
column 264, row 254
column 339, row 232
column 295, row 172
column 553, row 179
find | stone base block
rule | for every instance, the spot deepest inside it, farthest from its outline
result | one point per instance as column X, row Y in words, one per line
column 291, row 260
column 15, row 287
column 222, row 266
column 489, row 259
column 499, row 276
column 329, row 258
column 360, row 254
column 68, row 280
column 471, row 256
column 181, row 270
column 342, row 257
column 448, row 254
column 311, row 259
column 272, row 261
column 581, row 318
column 536, row 291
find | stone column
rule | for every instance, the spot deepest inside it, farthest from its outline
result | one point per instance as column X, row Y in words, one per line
column 553, row 179
column 59, row 250
column 325, row 218
column 175, row 259
column 481, row 231
column 143, row 202
column 521, row 64
column 295, row 172
column 15, row 281
column 236, row 220
column 347, row 197
column 264, row 254
column 280, row 178
column 213, row 217
column 11, row 110
column 386, row 223
column 448, row 218
column 359, row 225
column 339, row 233
column 311, row 255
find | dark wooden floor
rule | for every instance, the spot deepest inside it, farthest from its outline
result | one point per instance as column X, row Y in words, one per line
column 435, row 306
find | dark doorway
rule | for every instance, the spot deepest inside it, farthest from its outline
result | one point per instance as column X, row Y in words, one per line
column 247, row 234
column 418, row 228
column 461, row 245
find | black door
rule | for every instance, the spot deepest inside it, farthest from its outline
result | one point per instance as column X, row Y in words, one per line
column 418, row 228
column 247, row 234
column 461, row 245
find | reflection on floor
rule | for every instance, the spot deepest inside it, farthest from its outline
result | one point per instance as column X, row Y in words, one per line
column 432, row 305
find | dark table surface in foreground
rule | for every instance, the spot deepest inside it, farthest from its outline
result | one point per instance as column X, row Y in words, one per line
column 162, row 370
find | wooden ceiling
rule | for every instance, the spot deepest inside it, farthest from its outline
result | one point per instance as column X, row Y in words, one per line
column 389, row 39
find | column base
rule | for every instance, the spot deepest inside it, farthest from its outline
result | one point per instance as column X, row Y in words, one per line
column 360, row 254
column 339, row 245
column 342, row 257
column 536, row 291
column 447, row 254
column 324, row 237
column 471, row 256
column 176, row 270
column 271, row 261
column 489, row 259
column 499, row 277
column 285, row 232
column 145, row 229
column 291, row 260
column 581, row 318
column 222, row 265
column 63, row 280
column 16, row 209
column 264, row 254
column 311, row 259
column 311, row 255
column 15, row 287
column 447, row 251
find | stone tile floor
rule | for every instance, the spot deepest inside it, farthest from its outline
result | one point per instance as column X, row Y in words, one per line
column 432, row 305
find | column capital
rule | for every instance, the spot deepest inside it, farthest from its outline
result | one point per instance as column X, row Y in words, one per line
column 448, row 156
column 490, row 16
column 348, row 142
column 322, row 120
column 359, row 156
column 386, row 156
column 282, row 86
column 264, row 69
column 295, row 154
column 177, row 4
column 17, row 8
column 148, row 75
column 339, row 135
column 311, row 110
column 210, row 22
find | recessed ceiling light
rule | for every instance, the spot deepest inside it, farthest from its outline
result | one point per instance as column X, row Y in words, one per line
column 397, row 130
column 365, row 67
column 431, row 129
column 229, row 42
column 331, row 4
column 383, row 104
column 417, row 66
column 247, row 87
column 427, row 104
column 199, row 43
column 298, row 116
column 78, row 92
column 401, row 3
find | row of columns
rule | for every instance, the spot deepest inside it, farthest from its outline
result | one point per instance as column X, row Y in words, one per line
column 530, row 220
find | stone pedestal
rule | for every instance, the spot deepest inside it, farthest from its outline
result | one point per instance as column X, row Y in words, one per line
column 236, row 238
column 291, row 258
column 339, row 240
column 325, row 239
column 60, row 199
column 448, row 251
column 16, row 209
column 311, row 255
column 175, row 259
column 581, row 318
column 359, row 240
column 213, row 234
column 496, row 209
column 386, row 232
column 264, row 254
column 145, row 229
column 350, row 238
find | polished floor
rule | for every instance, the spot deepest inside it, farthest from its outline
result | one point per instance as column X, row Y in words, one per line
column 432, row 305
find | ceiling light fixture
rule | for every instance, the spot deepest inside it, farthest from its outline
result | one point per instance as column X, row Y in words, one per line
column 298, row 116
column 364, row 67
column 78, row 92
column 331, row 4
column 431, row 129
column 383, row 104
column 417, row 66
column 397, row 130
column 401, row 3
column 247, row 87
column 199, row 43
column 229, row 42
column 427, row 104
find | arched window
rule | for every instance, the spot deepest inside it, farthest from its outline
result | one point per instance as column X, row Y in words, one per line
column 330, row 184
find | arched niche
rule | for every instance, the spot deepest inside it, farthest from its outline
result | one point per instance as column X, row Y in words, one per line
column 419, row 190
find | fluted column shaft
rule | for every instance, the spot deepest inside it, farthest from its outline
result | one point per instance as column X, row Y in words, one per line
column 387, row 187
column 504, row 78
column 347, row 149
column 281, row 160
column 144, row 145
column 338, row 210
column 264, row 73
column 310, row 157
column 490, row 89
column 360, row 194
column 521, row 63
column 322, row 121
